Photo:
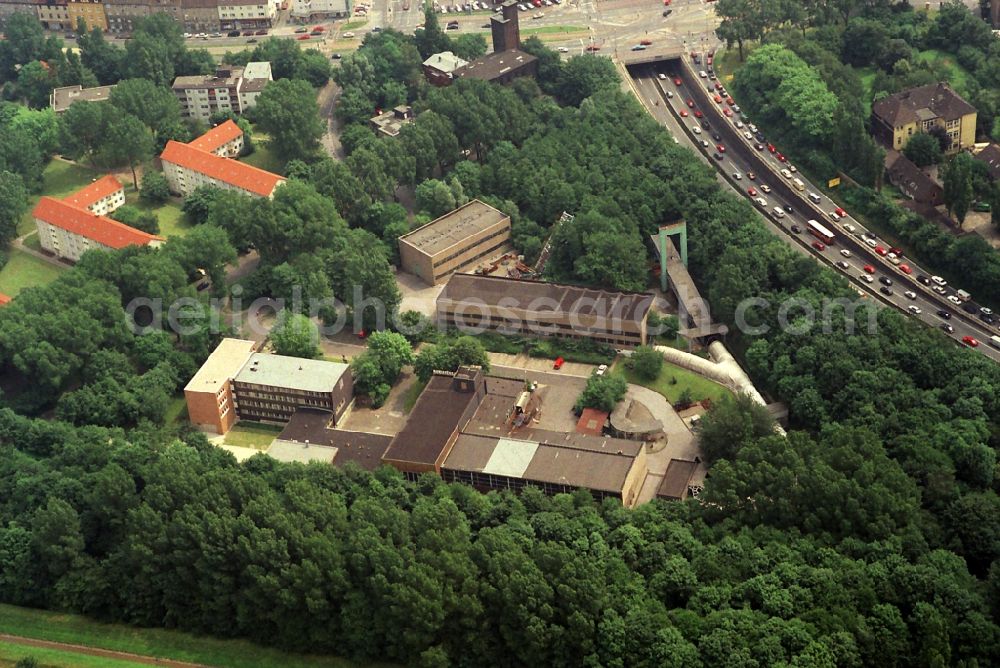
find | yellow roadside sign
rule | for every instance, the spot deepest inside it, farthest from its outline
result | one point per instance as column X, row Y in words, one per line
column 833, row 183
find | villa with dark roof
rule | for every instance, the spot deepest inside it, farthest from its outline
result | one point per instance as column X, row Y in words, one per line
column 898, row 117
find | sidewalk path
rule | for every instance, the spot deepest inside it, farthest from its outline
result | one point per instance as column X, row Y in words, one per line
column 95, row 651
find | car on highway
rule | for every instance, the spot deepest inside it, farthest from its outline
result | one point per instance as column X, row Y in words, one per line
column 698, row 114
column 677, row 80
column 704, row 143
column 905, row 268
column 752, row 191
column 737, row 109
column 840, row 212
column 796, row 229
column 661, row 76
column 787, row 174
column 717, row 99
column 970, row 341
column 765, row 188
column 946, row 327
column 914, row 309
column 885, row 280
column 684, row 113
column 761, row 202
column 737, row 176
column 819, row 245
column 716, row 136
column 747, row 136
column 923, row 279
column 789, row 209
column 910, row 294
column 867, row 278
column 718, row 156
column 718, row 85
column 738, row 124
column 849, row 228
column 758, row 146
column 886, row 290
column 870, row 241
column 669, row 94
column 596, row 47
column 845, row 252
column 843, row 265
column 781, row 157
column 869, row 268
column 720, row 148
column 695, row 129
column 833, row 216
column 348, row 35
column 985, row 310
column 938, row 289
column 939, row 281
column 727, row 112
column 944, row 314
column 881, row 251
column 954, row 300
column 705, row 125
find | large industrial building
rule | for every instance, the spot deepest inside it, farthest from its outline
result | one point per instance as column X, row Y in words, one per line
column 237, row 382
column 534, row 308
column 455, row 242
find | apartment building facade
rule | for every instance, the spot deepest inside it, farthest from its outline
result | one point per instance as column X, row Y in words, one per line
column 898, row 117
column 246, row 14
column 67, row 231
column 186, row 168
column 224, row 140
column 455, row 242
column 90, row 11
column 229, row 89
column 54, row 15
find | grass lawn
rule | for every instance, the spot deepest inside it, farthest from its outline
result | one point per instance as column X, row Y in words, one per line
column 262, row 157
column 412, row 393
column 172, row 220
column 352, row 25
column 31, row 241
column 176, row 411
column 11, row 653
column 701, row 387
column 552, row 30
column 957, row 76
column 252, row 435
column 25, row 271
column 58, row 180
column 151, row 642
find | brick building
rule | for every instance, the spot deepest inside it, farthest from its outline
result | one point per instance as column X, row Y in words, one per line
column 455, row 242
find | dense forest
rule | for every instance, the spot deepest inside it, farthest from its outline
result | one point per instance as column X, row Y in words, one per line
column 868, row 537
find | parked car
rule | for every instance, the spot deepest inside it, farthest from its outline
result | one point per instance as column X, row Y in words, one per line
column 558, row 363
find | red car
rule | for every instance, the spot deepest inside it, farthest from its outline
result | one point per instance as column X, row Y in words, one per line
column 709, row 60
column 558, row 363
column 730, row 101
column 302, row 37
column 819, row 245
column 905, row 268
column 646, row 42
column 870, row 269
column 720, row 148
column 318, row 29
column 684, row 113
column 594, row 47
column 690, row 103
column 752, row 192
column 718, row 99
column 677, row 81
column 780, row 157
column 770, row 147
column 698, row 114
column 718, row 85
column 840, row 212
column 728, row 112
column 969, row 341
column 898, row 251
column 881, row 251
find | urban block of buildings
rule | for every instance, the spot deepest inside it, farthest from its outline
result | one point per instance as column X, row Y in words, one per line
column 898, row 117
column 204, row 162
column 535, row 308
column 506, row 63
column 120, row 16
column 61, row 98
column 237, row 382
column 314, row 10
column 230, row 88
column 70, row 226
column 455, row 242
column 390, row 122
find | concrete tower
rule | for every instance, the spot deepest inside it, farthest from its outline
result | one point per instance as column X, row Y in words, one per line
column 506, row 32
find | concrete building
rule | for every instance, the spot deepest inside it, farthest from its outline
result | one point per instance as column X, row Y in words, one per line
column 238, row 383
column 313, row 10
column 10, row 7
column 439, row 68
column 122, row 15
column 54, row 15
column 61, row 98
column 246, row 14
column 224, row 140
column 90, row 11
column 389, row 123
column 200, row 15
column 187, row 166
column 230, row 88
column 455, row 242
column 69, row 227
column 209, row 394
column 505, row 28
column 898, row 117
column 532, row 308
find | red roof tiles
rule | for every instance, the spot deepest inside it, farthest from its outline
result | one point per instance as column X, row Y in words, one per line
column 101, row 229
column 233, row 172
column 96, row 191
column 217, row 136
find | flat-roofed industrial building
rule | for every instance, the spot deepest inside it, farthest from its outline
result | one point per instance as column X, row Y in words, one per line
column 455, row 242
column 536, row 308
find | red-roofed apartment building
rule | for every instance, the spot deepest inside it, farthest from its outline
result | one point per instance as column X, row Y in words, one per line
column 69, row 227
column 201, row 163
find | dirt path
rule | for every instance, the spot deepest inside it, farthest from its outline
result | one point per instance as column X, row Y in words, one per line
column 94, row 651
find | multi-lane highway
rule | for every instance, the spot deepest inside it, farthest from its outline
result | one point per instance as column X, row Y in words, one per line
column 669, row 104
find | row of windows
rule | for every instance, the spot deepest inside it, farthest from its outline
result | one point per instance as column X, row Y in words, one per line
column 471, row 261
column 499, row 482
column 470, row 246
column 473, row 317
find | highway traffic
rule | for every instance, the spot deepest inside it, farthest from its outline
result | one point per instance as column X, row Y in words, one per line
column 756, row 173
